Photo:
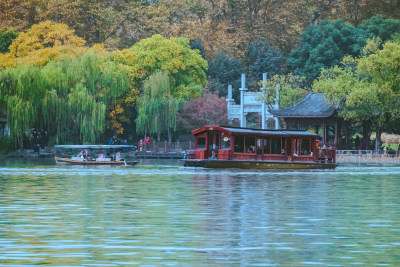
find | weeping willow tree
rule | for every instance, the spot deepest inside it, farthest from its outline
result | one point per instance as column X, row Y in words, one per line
column 68, row 98
column 156, row 107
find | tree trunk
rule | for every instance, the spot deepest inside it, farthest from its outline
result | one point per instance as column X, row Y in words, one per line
column 57, row 134
column 366, row 133
column 169, row 137
column 21, row 145
column 158, row 136
column 378, row 140
column 356, row 11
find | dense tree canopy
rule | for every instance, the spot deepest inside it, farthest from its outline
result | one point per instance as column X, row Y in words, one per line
column 368, row 88
column 186, row 67
column 224, row 70
column 157, row 108
column 68, row 98
column 250, row 37
column 43, row 42
column 228, row 25
column 325, row 45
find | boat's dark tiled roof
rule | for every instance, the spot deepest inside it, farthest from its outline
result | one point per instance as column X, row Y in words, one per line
column 312, row 106
column 244, row 131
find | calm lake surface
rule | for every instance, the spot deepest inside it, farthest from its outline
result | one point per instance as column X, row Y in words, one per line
column 159, row 213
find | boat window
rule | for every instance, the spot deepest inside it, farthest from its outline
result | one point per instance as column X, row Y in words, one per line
column 296, row 147
column 275, row 145
column 226, row 142
column 267, row 146
column 201, row 142
column 259, row 146
column 250, row 144
column 305, row 147
column 288, row 146
column 239, row 144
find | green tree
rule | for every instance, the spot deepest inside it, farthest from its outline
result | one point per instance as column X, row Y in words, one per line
column 262, row 57
column 368, row 88
column 156, row 106
column 290, row 90
column 324, row 45
column 6, row 38
column 225, row 70
column 185, row 68
column 68, row 98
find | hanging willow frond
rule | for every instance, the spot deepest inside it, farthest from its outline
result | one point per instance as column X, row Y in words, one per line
column 68, row 98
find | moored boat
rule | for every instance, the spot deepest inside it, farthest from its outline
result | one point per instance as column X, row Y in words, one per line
column 87, row 155
column 230, row 147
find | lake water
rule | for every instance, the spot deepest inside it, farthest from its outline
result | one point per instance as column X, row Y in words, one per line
column 159, row 213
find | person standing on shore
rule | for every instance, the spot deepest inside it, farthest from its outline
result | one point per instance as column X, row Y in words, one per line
column 140, row 145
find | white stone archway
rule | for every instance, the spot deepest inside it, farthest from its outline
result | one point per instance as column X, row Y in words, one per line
column 249, row 103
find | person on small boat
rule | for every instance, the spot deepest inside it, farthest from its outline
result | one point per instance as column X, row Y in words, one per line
column 84, row 155
column 118, row 157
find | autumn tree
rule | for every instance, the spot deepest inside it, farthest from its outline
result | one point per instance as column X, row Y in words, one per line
column 207, row 110
column 368, row 88
column 43, row 42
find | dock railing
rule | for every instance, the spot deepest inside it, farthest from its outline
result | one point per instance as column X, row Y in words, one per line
column 359, row 156
column 165, row 147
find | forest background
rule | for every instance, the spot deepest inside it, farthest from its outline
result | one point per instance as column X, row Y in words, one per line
column 85, row 71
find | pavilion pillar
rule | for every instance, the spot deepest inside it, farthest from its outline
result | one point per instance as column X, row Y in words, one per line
column 277, row 106
column 229, row 103
column 242, row 91
column 336, row 132
column 323, row 131
column 263, row 103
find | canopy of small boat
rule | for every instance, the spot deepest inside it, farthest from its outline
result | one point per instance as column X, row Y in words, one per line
column 95, row 146
column 101, row 160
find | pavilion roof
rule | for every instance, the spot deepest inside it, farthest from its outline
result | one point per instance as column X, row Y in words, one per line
column 312, row 106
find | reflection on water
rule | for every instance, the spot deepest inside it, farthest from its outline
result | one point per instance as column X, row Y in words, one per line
column 160, row 213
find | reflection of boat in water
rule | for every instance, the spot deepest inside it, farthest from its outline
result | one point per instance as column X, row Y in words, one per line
column 86, row 156
column 229, row 147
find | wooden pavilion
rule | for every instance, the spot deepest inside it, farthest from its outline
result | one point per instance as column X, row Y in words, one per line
column 314, row 113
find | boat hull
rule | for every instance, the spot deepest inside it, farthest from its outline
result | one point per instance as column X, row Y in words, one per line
column 254, row 164
column 68, row 161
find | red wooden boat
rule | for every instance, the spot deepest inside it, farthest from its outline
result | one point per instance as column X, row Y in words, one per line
column 230, row 147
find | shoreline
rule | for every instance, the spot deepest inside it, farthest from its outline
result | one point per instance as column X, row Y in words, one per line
column 340, row 159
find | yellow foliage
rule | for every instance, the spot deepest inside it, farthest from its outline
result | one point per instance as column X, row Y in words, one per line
column 44, row 42
column 6, row 60
column 126, row 58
